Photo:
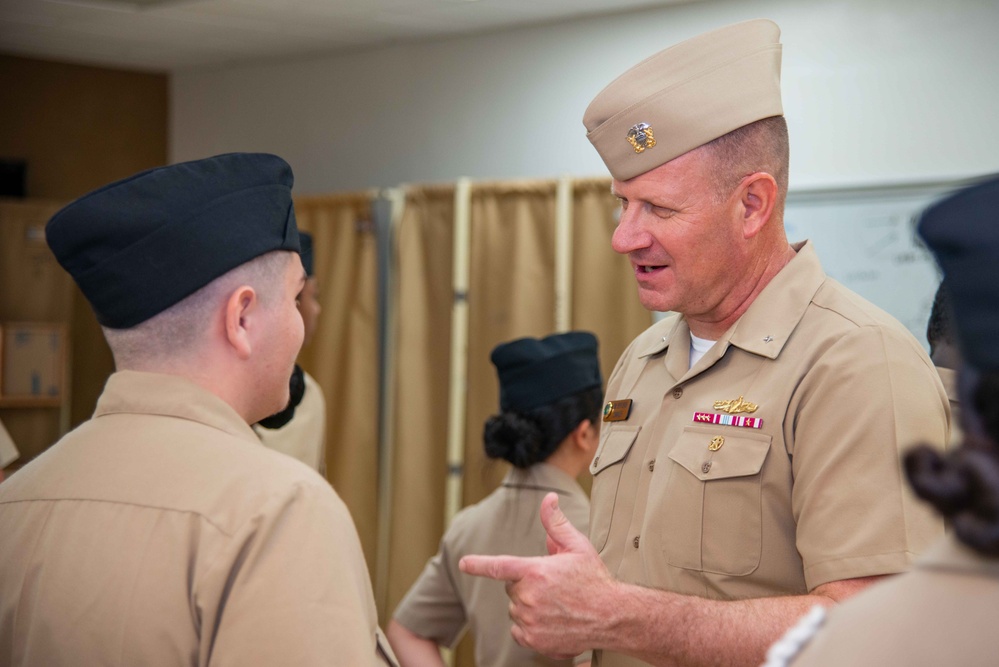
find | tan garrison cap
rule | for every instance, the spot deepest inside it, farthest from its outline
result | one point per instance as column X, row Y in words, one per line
column 685, row 96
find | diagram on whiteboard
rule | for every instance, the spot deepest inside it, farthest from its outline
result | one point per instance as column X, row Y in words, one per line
column 868, row 242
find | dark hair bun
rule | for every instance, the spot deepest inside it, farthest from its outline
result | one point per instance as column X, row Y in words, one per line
column 511, row 437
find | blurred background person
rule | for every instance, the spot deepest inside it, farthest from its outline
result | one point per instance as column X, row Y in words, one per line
column 300, row 429
column 547, row 428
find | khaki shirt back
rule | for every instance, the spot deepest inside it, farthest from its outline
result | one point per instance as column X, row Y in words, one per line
column 444, row 602
column 160, row 533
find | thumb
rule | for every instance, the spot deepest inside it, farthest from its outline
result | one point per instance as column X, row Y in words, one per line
column 562, row 535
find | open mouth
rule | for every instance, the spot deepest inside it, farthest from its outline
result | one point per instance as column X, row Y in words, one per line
column 648, row 268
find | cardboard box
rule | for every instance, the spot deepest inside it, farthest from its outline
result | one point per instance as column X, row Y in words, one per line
column 32, row 362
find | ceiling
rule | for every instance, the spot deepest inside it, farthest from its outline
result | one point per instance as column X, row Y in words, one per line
column 166, row 35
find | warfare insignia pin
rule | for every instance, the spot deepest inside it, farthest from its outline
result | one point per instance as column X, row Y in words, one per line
column 716, row 443
column 640, row 137
column 735, row 406
column 617, row 411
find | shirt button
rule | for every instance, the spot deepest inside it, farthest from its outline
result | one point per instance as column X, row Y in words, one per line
column 705, row 467
column 636, row 542
column 652, row 465
column 678, row 392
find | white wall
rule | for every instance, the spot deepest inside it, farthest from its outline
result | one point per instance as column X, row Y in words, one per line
column 875, row 91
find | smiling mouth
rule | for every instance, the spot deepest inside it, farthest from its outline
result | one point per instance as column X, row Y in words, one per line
column 649, row 268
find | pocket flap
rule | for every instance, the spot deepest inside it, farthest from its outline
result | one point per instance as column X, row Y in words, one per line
column 740, row 454
column 614, row 448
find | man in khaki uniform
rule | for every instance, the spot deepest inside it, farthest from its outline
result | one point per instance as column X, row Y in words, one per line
column 749, row 460
column 160, row 532
column 943, row 611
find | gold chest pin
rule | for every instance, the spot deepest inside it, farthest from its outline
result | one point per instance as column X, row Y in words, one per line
column 716, row 443
column 735, row 406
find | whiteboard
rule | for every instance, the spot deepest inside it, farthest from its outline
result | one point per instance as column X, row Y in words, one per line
column 866, row 239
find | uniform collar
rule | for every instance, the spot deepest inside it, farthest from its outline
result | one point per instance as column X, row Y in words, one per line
column 135, row 392
column 767, row 324
column 544, row 477
column 949, row 554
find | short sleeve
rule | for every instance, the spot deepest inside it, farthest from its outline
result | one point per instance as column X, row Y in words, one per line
column 432, row 608
column 851, row 424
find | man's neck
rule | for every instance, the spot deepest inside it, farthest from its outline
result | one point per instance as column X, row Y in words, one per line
column 713, row 326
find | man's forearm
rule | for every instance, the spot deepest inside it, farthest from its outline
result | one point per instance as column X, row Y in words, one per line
column 668, row 629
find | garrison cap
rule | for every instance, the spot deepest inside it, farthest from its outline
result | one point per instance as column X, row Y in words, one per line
column 962, row 230
column 140, row 245
column 685, row 96
column 534, row 372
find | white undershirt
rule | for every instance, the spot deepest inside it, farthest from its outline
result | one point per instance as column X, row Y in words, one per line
column 698, row 346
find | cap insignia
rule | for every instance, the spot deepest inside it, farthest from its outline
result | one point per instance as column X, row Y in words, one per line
column 640, row 137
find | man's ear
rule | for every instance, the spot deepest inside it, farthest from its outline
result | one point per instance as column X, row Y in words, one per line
column 757, row 198
column 240, row 308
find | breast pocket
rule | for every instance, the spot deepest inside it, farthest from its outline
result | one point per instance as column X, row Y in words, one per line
column 615, row 443
column 712, row 506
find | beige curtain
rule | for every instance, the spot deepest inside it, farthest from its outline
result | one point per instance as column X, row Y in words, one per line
column 511, row 294
column 422, row 338
column 343, row 354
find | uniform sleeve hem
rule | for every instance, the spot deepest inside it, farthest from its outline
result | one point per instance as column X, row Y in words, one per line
column 857, row 566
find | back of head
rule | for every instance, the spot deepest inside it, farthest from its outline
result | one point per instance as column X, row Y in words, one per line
column 963, row 233
column 548, row 386
column 150, row 252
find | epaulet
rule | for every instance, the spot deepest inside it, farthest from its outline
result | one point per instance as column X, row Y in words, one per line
column 794, row 640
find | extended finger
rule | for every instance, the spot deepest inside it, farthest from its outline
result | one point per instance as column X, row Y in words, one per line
column 503, row 568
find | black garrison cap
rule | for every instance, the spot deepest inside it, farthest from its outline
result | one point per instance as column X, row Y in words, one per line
column 140, row 245
column 305, row 238
column 534, row 372
column 963, row 232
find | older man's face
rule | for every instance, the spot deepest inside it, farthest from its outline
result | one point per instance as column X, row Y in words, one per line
column 684, row 242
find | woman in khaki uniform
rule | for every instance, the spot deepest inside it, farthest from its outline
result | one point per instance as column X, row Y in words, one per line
column 943, row 611
column 550, row 396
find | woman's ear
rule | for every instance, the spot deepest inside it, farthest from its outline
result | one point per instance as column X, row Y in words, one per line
column 585, row 433
column 240, row 309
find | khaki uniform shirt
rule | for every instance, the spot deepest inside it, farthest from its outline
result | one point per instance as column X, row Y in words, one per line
column 304, row 436
column 444, row 602
column 943, row 612
column 816, row 494
column 8, row 452
column 159, row 532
